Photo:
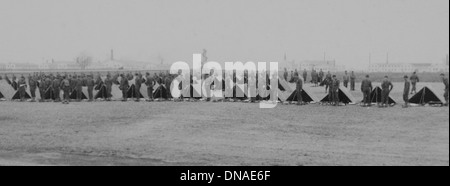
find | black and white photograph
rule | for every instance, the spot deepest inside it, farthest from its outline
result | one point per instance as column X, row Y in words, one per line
column 224, row 83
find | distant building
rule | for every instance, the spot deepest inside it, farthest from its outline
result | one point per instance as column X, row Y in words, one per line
column 407, row 67
column 19, row 66
column 325, row 65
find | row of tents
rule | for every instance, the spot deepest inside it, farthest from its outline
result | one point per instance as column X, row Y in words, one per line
column 286, row 92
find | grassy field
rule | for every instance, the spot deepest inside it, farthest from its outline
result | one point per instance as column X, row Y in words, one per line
column 166, row 133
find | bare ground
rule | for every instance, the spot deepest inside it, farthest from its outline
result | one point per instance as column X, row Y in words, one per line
column 165, row 133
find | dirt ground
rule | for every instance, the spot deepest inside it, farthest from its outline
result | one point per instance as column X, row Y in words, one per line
column 166, row 133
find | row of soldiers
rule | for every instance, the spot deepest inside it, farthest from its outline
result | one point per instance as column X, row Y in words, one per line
column 322, row 79
column 52, row 85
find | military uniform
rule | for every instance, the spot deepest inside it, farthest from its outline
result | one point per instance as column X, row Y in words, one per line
column 33, row 83
column 299, row 89
column 321, row 74
column 124, row 87
column 42, row 88
column 90, row 83
column 108, row 83
column 386, row 87
column 414, row 80
column 65, row 86
column 138, row 84
column 346, row 80
column 352, row 82
column 22, row 88
column 334, row 89
column 79, row 88
column 406, row 92
column 56, row 88
column 150, row 82
column 366, row 89
column 305, row 75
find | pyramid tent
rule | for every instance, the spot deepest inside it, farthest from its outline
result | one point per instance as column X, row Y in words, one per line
column 17, row 96
column 2, row 96
column 131, row 93
column 73, row 95
column 101, row 93
column 376, row 96
column 307, row 96
column 116, row 92
column 197, row 95
column 160, row 92
column 344, row 97
column 426, row 96
column 49, row 94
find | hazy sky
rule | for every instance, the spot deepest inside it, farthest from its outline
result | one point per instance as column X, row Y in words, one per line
column 231, row 30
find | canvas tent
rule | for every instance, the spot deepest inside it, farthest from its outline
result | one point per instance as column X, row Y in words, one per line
column 307, row 96
column 344, row 97
column 73, row 95
column 1, row 96
column 131, row 93
column 426, row 96
column 376, row 97
column 101, row 94
column 160, row 92
column 49, row 94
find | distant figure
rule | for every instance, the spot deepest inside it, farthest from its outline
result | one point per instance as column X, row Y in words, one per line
column 305, row 75
column 150, row 82
column 33, row 83
column 445, row 81
column 414, row 80
column 406, row 92
column 334, row 91
column 108, row 83
column 56, row 89
column 366, row 89
column 42, row 88
column 90, row 83
column 321, row 74
column 65, row 86
column 79, row 87
column 386, row 87
column 352, row 81
column 22, row 84
column 285, row 75
column 346, row 79
column 299, row 88
column 138, row 83
column 124, row 87
column 328, row 80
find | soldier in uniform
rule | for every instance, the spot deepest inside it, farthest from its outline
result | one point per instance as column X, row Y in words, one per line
column 285, row 75
column 366, row 89
column 42, row 88
column 65, row 86
column 33, row 83
column 150, row 82
column 305, row 75
column 334, row 88
column 90, row 83
column 328, row 81
column 79, row 87
column 124, row 87
column 386, row 87
column 56, row 88
column 346, row 79
column 352, row 81
column 138, row 83
column 49, row 85
column 321, row 74
column 414, row 80
column 406, row 91
column 22, row 85
column 168, row 83
column 299, row 88
column 108, row 83
column 445, row 81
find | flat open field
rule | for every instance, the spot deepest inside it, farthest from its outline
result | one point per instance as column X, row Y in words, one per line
column 166, row 133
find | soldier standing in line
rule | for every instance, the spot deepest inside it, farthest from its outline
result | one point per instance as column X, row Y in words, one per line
column 168, row 83
column 445, row 81
column 124, row 87
column 414, row 80
column 305, row 75
column 299, row 88
column 352, row 81
column 22, row 85
column 42, row 87
column 346, row 79
column 335, row 90
column 386, row 87
column 33, row 83
column 328, row 81
column 49, row 86
column 150, row 82
column 90, row 83
column 321, row 74
column 138, row 83
column 79, row 87
column 406, row 91
column 56, row 88
column 366, row 89
column 108, row 83
column 65, row 86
